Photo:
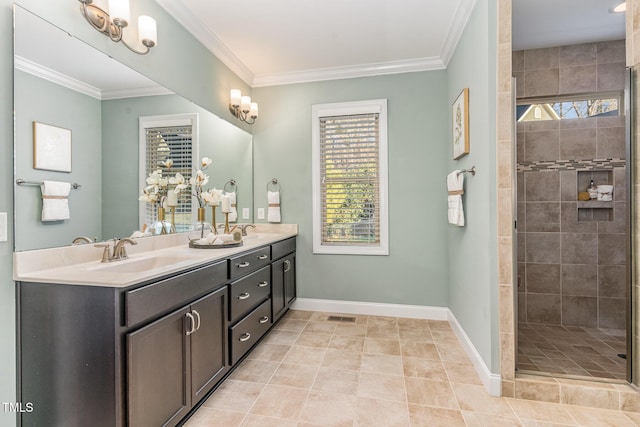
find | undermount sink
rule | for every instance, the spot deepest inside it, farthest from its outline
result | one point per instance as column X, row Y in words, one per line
column 251, row 236
column 136, row 265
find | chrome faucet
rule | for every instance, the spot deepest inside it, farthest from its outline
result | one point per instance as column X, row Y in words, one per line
column 119, row 252
column 243, row 228
column 82, row 240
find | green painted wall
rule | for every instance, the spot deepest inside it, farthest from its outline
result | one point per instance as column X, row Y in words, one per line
column 416, row 271
column 472, row 249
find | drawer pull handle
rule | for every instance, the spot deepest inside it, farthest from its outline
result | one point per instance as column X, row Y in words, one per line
column 263, row 284
column 287, row 265
column 193, row 324
column 263, row 256
column 244, row 295
column 243, row 265
column 245, row 337
column 265, row 319
column 197, row 320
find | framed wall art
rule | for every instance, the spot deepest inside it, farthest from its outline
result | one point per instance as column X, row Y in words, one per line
column 460, row 112
column 51, row 148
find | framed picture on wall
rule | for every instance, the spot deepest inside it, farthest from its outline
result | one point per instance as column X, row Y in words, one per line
column 51, row 148
column 460, row 112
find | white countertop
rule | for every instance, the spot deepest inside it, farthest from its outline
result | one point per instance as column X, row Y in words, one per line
column 151, row 258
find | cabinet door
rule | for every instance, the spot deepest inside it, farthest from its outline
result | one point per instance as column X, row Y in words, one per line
column 158, row 356
column 209, row 343
column 278, row 301
column 290, row 279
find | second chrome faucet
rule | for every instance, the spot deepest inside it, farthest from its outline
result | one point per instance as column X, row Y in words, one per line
column 119, row 252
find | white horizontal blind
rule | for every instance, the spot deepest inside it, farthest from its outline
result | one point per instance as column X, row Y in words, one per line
column 350, row 179
column 171, row 143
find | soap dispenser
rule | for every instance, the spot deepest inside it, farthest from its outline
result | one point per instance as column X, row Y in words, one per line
column 592, row 190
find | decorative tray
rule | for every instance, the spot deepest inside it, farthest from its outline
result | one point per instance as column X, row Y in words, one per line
column 194, row 245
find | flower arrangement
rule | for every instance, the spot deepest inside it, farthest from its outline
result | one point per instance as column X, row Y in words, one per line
column 212, row 197
column 199, row 180
column 156, row 189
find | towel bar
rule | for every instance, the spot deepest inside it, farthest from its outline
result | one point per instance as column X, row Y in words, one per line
column 231, row 183
column 20, row 181
column 472, row 171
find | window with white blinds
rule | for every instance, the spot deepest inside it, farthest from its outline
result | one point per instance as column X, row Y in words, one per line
column 164, row 139
column 350, row 178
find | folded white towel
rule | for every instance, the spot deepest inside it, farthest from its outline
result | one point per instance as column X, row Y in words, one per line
column 455, row 188
column 137, row 234
column 233, row 214
column 273, row 199
column 55, row 200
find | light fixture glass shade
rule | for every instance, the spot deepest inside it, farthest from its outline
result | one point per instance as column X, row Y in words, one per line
column 622, row 7
column 245, row 104
column 119, row 11
column 235, row 97
column 147, row 32
column 254, row 110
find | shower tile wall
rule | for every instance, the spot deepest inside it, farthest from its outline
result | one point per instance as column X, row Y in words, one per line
column 571, row 262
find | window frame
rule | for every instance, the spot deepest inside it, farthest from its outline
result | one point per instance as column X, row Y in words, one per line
column 318, row 111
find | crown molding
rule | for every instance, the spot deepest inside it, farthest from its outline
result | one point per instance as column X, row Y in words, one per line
column 194, row 26
column 348, row 72
column 458, row 24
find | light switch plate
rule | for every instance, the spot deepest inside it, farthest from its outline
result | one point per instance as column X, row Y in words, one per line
column 245, row 213
column 3, row 227
column 260, row 213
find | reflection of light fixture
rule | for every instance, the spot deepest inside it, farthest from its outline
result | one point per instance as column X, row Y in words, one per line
column 242, row 107
column 621, row 7
column 112, row 24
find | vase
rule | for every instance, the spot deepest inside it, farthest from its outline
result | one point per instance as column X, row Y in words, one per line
column 214, row 226
column 161, row 226
column 201, row 224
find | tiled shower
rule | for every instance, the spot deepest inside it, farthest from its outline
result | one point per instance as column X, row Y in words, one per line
column 572, row 288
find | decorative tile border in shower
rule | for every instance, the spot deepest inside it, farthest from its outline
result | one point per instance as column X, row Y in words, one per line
column 563, row 165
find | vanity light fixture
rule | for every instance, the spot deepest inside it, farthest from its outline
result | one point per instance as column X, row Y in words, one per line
column 619, row 8
column 242, row 107
column 112, row 23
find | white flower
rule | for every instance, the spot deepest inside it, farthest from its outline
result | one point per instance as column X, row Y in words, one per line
column 212, row 197
column 179, row 182
column 205, row 162
column 154, row 177
column 163, row 182
column 149, row 194
column 167, row 163
column 200, row 179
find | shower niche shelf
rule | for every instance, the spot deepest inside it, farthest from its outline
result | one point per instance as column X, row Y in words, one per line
column 594, row 204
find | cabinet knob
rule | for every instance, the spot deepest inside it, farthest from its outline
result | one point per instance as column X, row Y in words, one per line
column 265, row 319
column 243, row 265
column 244, row 295
column 244, row 337
column 193, row 324
column 263, row 256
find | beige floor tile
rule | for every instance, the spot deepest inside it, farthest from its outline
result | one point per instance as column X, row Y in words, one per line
column 290, row 325
column 449, row 353
column 302, row 355
column 421, row 391
column 593, row 417
column 269, row 352
column 419, row 349
column 389, row 332
column 257, row 371
column 262, row 421
column 422, row 416
column 341, row 359
column 213, row 417
column 424, row 368
column 475, row 398
column 277, row 336
column 322, row 327
column 298, row 315
column 378, row 386
column 382, row 346
column 534, row 423
column 382, row 320
column 350, row 329
column 540, row 411
column 382, row 364
column 329, row 409
column 348, row 343
column 634, row 417
column 291, row 375
column 337, row 381
column 314, row 339
column 320, row 316
column 381, row 413
column 415, row 334
column 477, row 419
column 236, row 395
column 280, row 402
column 441, row 325
column 413, row 323
column 460, row 372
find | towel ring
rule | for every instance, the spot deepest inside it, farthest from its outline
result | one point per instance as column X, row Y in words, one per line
column 232, row 184
column 275, row 183
column 472, row 171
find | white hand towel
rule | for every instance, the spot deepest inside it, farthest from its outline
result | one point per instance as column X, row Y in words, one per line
column 233, row 214
column 455, row 188
column 55, row 200
column 273, row 198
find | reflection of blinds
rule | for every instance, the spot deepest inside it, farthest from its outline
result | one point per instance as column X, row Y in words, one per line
column 350, row 182
column 170, row 143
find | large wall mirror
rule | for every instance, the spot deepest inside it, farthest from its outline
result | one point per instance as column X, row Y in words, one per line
column 67, row 85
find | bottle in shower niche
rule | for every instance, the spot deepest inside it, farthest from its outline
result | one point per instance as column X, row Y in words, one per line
column 592, row 190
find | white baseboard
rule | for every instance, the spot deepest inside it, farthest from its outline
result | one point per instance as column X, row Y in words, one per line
column 490, row 380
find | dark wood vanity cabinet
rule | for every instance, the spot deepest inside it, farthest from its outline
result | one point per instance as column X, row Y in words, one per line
column 148, row 354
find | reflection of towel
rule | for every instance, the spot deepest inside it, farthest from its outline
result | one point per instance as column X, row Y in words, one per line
column 273, row 198
column 55, row 200
column 455, row 187
column 233, row 213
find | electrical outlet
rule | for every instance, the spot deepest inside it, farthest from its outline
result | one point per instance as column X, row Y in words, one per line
column 260, row 213
column 245, row 213
column 3, row 227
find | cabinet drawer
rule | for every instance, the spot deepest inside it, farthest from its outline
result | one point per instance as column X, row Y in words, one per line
column 248, row 292
column 243, row 264
column 248, row 331
column 156, row 298
column 280, row 249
